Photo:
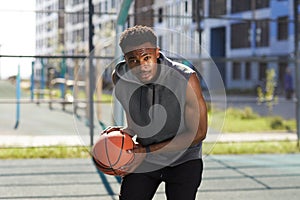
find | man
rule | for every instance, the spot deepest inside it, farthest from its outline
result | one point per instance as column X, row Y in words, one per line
column 166, row 112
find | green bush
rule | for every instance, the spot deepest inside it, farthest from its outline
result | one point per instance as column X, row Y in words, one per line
column 246, row 113
column 246, row 120
column 277, row 123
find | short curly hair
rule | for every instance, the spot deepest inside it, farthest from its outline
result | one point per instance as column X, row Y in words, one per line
column 137, row 35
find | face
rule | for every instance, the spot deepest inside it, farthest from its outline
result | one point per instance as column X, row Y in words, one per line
column 143, row 61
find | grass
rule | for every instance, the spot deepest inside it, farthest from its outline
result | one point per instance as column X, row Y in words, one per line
column 44, row 152
column 56, row 94
column 266, row 147
column 245, row 120
column 269, row 147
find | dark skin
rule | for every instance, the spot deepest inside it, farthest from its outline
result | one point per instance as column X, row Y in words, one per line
column 142, row 60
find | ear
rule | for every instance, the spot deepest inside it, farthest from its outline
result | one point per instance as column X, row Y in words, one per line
column 157, row 52
column 125, row 58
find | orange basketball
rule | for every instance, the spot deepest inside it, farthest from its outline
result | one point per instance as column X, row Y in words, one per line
column 110, row 152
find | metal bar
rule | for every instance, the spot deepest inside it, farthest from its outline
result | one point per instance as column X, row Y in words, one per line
column 18, row 96
column 57, row 56
column 220, row 17
column 42, row 81
column 91, row 73
column 121, row 20
column 46, row 101
column 219, row 59
column 32, row 81
column 297, row 66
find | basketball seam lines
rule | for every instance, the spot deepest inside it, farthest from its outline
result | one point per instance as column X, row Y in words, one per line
column 120, row 154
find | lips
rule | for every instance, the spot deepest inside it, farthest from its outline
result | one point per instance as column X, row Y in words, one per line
column 145, row 74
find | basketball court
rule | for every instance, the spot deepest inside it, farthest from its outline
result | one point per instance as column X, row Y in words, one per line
column 233, row 177
column 260, row 177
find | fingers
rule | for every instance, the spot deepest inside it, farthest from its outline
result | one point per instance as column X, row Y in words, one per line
column 138, row 149
column 130, row 151
column 121, row 172
column 111, row 129
column 130, row 167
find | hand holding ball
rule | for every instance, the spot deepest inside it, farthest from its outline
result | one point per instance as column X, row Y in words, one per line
column 110, row 152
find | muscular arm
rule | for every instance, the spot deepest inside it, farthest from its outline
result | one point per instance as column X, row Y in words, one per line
column 195, row 110
column 195, row 120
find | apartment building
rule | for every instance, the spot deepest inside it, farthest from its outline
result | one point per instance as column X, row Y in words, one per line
column 62, row 28
column 49, row 33
column 49, row 26
column 244, row 32
column 176, row 27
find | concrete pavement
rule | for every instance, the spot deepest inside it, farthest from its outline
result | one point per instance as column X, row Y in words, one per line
column 230, row 177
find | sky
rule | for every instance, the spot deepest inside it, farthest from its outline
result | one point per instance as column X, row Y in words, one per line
column 17, row 36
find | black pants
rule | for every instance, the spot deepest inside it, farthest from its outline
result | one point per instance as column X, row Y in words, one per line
column 181, row 182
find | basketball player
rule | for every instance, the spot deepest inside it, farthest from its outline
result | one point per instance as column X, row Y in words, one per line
column 166, row 112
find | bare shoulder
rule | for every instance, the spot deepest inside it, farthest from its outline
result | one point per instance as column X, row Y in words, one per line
column 194, row 84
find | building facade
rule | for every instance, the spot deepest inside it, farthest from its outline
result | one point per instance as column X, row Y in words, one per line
column 244, row 38
column 50, row 32
column 49, row 26
column 62, row 27
column 255, row 36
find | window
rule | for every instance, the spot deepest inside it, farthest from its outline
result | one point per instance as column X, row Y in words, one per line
column 49, row 26
column 194, row 11
column 186, row 7
column 61, row 4
column 113, row 3
column 240, row 35
column 75, row 2
column 282, row 28
column 236, row 71
column 160, row 41
column 262, row 4
column 248, row 70
column 49, row 42
column 160, row 15
column 61, row 22
column 80, row 34
column 106, row 6
column 197, row 6
column 217, row 7
column 262, row 71
column 97, row 8
column 239, row 6
column 262, row 33
column 49, row 10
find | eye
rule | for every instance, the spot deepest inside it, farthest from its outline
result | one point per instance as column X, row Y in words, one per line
column 146, row 58
column 132, row 61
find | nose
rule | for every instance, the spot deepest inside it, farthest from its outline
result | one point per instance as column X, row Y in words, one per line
column 143, row 64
